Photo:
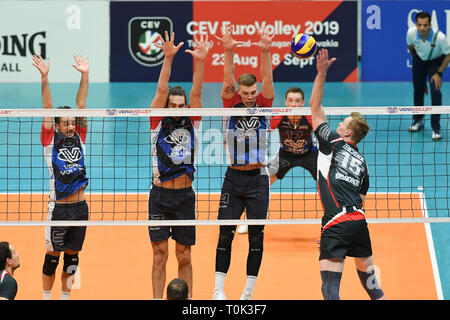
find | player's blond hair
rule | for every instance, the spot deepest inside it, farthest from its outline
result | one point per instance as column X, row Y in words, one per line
column 359, row 127
column 247, row 80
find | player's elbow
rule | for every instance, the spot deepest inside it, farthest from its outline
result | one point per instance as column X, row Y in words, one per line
column 314, row 104
column 195, row 95
column 162, row 90
column 195, row 99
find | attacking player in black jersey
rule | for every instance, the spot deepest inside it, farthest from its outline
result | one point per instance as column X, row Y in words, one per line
column 343, row 181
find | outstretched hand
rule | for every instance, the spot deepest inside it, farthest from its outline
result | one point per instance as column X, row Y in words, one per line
column 168, row 46
column 265, row 41
column 322, row 61
column 81, row 64
column 201, row 48
column 227, row 40
column 40, row 64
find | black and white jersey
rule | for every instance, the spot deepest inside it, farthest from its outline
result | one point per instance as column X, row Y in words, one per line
column 8, row 285
column 342, row 175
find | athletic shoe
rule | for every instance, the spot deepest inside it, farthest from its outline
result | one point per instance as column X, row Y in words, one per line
column 219, row 295
column 436, row 135
column 243, row 229
column 416, row 126
column 246, row 296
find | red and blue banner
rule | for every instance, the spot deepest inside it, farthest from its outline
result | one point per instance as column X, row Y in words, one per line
column 135, row 26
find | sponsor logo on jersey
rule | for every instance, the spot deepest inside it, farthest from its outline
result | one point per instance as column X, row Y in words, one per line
column 69, row 155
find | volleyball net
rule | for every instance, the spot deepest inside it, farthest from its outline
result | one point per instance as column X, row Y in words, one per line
column 409, row 179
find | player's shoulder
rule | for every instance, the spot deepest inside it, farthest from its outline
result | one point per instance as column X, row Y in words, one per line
column 5, row 277
column 262, row 101
column 230, row 102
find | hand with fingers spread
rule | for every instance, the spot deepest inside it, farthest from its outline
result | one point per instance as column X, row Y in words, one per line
column 168, row 46
column 322, row 61
column 40, row 64
column 227, row 40
column 201, row 48
column 265, row 40
column 81, row 64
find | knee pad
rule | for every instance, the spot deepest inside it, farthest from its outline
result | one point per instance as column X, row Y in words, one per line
column 330, row 284
column 226, row 237
column 50, row 265
column 70, row 263
column 256, row 237
column 370, row 284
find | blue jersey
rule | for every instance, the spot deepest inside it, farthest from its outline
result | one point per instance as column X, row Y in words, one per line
column 65, row 157
column 247, row 137
column 174, row 145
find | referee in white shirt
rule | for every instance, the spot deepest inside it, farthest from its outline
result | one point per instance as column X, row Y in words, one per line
column 430, row 53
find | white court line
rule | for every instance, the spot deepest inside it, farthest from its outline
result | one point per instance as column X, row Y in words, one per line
column 437, row 278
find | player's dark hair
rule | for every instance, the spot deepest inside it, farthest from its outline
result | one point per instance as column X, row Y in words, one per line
column 423, row 15
column 295, row 90
column 176, row 91
column 5, row 253
column 58, row 119
column 177, row 290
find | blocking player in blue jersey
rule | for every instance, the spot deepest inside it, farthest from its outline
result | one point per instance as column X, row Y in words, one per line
column 173, row 148
column 246, row 183
column 297, row 148
column 63, row 139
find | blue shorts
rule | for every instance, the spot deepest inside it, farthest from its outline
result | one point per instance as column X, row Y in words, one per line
column 172, row 204
column 62, row 238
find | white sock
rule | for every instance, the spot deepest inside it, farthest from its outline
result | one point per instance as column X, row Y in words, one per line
column 47, row 295
column 250, row 284
column 220, row 281
column 65, row 295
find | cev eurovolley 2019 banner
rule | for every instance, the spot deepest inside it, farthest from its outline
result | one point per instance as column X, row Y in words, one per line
column 385, row 55
column 135, row 27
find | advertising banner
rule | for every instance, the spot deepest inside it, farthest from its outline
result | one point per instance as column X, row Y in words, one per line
column 56, row 30
column 385, row 55
column 135, row 27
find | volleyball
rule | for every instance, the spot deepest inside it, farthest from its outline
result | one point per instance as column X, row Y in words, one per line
column 303, row 46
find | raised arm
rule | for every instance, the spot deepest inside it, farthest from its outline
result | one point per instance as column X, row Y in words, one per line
column 229, row 85
column 169, row 49
column 82, row 65
column 317, row 112
column 266, row 71
column 47, row 102
column 200, row 53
